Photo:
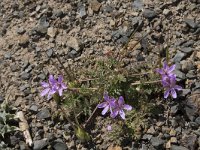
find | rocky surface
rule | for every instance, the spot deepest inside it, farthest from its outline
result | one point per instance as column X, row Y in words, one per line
column 31, row 31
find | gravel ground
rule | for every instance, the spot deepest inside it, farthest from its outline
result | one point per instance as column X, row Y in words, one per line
column 75, row 29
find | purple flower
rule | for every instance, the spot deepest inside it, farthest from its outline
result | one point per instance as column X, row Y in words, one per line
column 53, row 86
column 166, row 70
column 109, row 128
column 107, row 105
column 169, row 83
column 119, row 108
column 60, row 86
column 49, row 88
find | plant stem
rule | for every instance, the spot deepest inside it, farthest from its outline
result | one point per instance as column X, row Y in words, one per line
column 149, row 82
column 91, row 116
column 69, row 120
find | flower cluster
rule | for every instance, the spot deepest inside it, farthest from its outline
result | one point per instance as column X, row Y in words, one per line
column 116, row 107
column 169, row 80
column 53, row 86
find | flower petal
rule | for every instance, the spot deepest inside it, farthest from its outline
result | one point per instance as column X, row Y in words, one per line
column 49, row 96
column 127, row 107
column 172, row 68
column 60, row 91
column 102, row 105
column 105, row 110
column 165, row 66
column 52, row 91
column 177, row 87
column 63, row 86
column 173, row 93
column 109, row 127
column 114, row 113
column 44, row 84
column 60, row 78
column 121, row 101
column 105, row 96
column 122, row 114
column 166, row 94
column 44, row 92
column 52, row 80
column 160, row 71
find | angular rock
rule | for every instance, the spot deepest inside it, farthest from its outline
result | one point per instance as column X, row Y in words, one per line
column 197, row 120
column 82, row 12
column 51, row 32
column 25, row 76
column 43, row 114
column 190, row 23
column 73, row 43
column 180, row 74
column 149, row 14
column 175, row 147
column 95, row 5
column 187, row 50
column 33, row 108
column 189, row 141
column 179, row 56
column 24, row 40
column 138, row 4
column 59, row 145
column 185, row 92
column 157, row 142
column 40, row 144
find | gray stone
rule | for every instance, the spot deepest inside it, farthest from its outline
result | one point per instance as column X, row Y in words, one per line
column 42, row 76
column 190, row 110
column 149, row 14
column 51, row 32
column 33, row 108
column 190, row 23
column 58, row 13
column 14, row 68
column 147, row 137
column 167, row 12
column 194, row 125
column 42, row 26
column 95, row 5
column 151, row 131
column 40, row 144
column 59, row 145
column 197, row 120
column 176, row 147
column 191, row 74
column 179, row 56
column 73, row 43
column 1, row 99
column 7, row 55
column 180, row 74
column 189, row 43
column 187, row 65
column 157, row 142
column 185, row 92
column 187, row 50
column 138, row 4
column 20, row 30
column 189, row 141
column 174, row 109
column 29, row 69
column 82, row 12
column 43, row 114
column 25, row 76
column 50, row 52
column 23, row 146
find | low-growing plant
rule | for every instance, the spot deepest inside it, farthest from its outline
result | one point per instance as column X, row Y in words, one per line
column 104, row 84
